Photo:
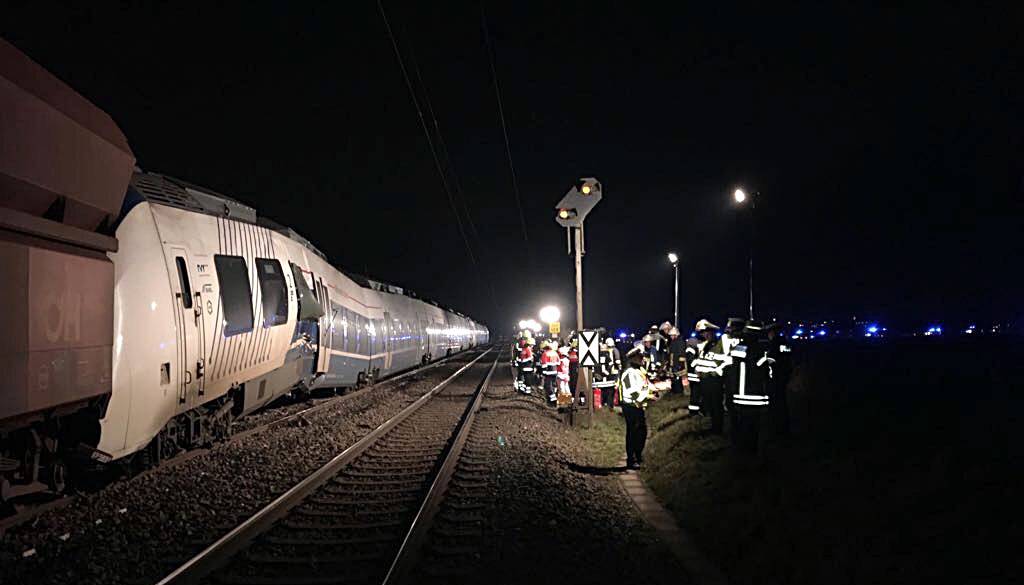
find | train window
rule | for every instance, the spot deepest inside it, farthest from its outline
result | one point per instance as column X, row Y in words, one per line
column 309, row 308
column 186, row 287
column 275, row 293
column 235, row 293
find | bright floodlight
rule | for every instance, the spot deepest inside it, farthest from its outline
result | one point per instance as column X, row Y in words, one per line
column 739, row 195
column 672, row 257
column 523, row 324
column 550, row 314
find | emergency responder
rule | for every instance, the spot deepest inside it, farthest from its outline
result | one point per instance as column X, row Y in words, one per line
column 574, row 364
column 692, row 349
column 782, row 354
column 749, row 388
column 608, row 368
column 563, row 376
column 524, row 381
column 633, row 392
column 730, row 374
column 676, row 361
column 709, row 366
column 549, row 369
column 666, row 339
column 652, row 359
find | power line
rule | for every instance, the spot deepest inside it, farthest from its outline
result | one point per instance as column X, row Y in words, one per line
column 504, row 126
column 426, row 132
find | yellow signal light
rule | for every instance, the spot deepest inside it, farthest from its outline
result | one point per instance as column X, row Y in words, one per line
column 586, row 189
column 563, row 213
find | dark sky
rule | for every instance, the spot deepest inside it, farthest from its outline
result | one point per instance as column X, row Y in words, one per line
column 886, row 144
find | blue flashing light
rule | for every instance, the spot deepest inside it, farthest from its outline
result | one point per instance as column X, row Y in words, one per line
column 873, row 329
column 821, row 333
column 693, row 334
column 623, row 335
column 718, row 333
column 799, row 332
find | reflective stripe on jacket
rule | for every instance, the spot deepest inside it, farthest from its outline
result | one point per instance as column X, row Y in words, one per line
column 633, row 387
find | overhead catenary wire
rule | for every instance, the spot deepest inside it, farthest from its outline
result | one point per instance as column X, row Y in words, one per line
column 426, row 132
column 504, row 126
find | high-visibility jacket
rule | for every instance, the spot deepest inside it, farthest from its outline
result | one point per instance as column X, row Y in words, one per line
column 563, row 368
column 526, row 359
column 608, row 368
column 633, row 388
column 711, row 361
column 692, row 351
column 549, row 362
column 749, row 386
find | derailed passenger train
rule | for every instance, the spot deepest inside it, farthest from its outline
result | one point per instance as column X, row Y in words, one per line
column 145, row 323
column 218, row 313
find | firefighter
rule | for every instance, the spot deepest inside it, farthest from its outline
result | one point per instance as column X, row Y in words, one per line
column 652, row 358
column 608, row 372
column 664, row 332
column 782, row 354
column 574, row 363
column 563, row 375
column 693, row 347
column 709, row 366
column 633, row 392
column 730, row 377
column 524, row 381
column 749, row 388
column 676, row 361
column 549, row 369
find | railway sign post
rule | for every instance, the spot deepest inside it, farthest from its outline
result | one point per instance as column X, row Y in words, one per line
column 570, row 212
column 590, row 348
column 554, row 328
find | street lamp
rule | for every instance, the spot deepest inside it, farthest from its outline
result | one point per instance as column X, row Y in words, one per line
column 550, row 314
column 740, row 196
column 675, row 267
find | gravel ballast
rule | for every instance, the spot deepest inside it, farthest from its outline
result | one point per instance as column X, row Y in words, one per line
column 136, row 531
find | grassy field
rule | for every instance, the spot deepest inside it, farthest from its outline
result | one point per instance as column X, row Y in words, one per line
column 903, row 469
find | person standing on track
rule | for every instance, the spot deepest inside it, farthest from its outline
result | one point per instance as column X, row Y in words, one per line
column 633, row 391
column 549, row 369
column 525, row 379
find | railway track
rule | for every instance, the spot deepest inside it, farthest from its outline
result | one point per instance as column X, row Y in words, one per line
column 365, row 515
column 27, row 512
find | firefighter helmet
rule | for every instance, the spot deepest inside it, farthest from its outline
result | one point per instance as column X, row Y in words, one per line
column 704, row 324
column 673, row 331
column 609, row 342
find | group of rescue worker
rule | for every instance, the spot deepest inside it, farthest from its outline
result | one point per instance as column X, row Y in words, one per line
column 741, row 372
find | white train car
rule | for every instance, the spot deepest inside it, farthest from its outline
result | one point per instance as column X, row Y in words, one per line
column 217, row 313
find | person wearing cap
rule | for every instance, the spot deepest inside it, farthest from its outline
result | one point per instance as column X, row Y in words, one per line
column 782, row 368
column 633, row 392
column 676, row 360
column 748, row 389
column 607, row 372
column 549, row 369
column 709, row 366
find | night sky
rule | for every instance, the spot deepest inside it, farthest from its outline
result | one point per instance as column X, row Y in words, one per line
column 886, row 145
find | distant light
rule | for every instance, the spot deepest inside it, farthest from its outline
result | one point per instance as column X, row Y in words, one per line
column 718, row 333
column 821, row 333
column 622, row 335
column 873, row 329
column 522, row 324
column 739, row 196
column 672, row 257
column 693, row 334
column 586, row 189
column 799, row 332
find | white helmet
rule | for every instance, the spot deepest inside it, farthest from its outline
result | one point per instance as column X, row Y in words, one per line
column 563, row 350
column 673, row 331
column 665, row 325
column 609, row 342
column 648, row 338
column 705, row 324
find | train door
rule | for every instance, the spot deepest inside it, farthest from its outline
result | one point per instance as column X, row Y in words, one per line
column 190, row 320
column 326, row 325
column 386, row 331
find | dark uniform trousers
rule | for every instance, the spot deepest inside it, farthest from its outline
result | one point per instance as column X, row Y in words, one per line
column 711, row 401
column 636, row 432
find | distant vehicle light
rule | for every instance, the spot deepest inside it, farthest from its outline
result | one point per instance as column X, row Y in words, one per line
column 873, row 329
column 821, row 333
column 622, row 335
column 799, row 332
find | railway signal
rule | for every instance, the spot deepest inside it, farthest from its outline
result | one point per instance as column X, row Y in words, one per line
column 570, row 212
